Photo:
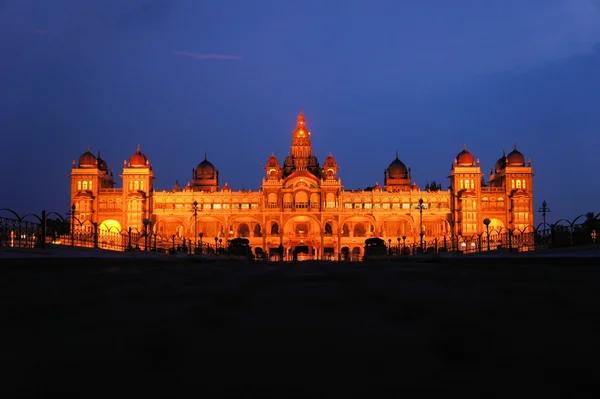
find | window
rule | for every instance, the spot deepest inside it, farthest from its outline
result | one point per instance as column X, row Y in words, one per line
column 512, row 184
column 518, row 183
column 136, row 185
column 216, row 206
column 85, row 185
column 357, row 206
column 406, row 206
column 523, row 185
column 246, row 206
column 462, row 184
column 368, row 206
column 79, row 185
column 330, row 204
column 254, row 205
column 90, row 185
column 348, row 205
column 386, row 205
column 142, row 185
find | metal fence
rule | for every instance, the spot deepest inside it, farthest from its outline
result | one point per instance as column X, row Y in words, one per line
column 32, row 230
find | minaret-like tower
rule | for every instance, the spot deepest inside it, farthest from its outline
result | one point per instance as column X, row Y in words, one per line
column 465, row 187
column 301, row 145
column 87, row 177
column 138, row 180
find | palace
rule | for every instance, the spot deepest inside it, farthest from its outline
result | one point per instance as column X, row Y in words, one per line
column 303, row 205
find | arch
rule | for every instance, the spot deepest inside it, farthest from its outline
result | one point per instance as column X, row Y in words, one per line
column 576, row 219
column 209, row 226
column 359, row 229
column 274, row 228
column 59, row 216
column 272, row 198
column 168, row 226
column 328, row 228
column 314, row 223
column 301, row 196
column 496, row 224
column 15, row 214
column 257, row 230
column 33, row 215
column 397, row 226
column 243, row 230
column 108, row 225
column 330, row 197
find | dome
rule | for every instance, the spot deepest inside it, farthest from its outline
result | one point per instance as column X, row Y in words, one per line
column 377, row 187
column 330, row 161
column 102, row 165
column 226, row 187
column 273, row 161
column 176, row 187
column 205, row 170
column 515, row 158
column 397, row 169
column 188, row 187
column 465, row 158
column 87, row 159
column 501, row 163
column 138, row 160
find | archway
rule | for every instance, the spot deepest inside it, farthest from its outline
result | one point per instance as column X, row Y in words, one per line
column 109, row 226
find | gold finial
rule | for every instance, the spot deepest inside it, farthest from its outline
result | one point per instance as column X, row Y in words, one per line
column 464, row 147
column 515, row 146
column 138, row 149
column 87, row 149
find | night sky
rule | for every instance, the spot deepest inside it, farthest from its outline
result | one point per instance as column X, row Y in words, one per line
column 228, row 78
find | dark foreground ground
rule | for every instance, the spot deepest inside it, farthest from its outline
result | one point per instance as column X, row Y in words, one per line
column 305, row 329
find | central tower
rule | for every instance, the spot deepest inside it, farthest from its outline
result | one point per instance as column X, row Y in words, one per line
column 301, row 156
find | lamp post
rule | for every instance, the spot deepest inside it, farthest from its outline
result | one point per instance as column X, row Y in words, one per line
column 146, row 222
column 195, row 205
column 544, row 210
column 216, row 243
column 390, row 246
column 398, row 246
column 421, row 221
column 403, row 245
column 201, row 235
column 487, row 221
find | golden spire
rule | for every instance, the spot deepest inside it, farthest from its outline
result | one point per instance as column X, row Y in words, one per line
column 138, row 149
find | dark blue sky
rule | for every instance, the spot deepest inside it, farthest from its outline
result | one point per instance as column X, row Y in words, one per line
column 225, row 77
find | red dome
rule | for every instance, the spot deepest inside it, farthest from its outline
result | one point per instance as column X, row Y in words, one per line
column 273, row 161
column 397, row 169
column 87, row 159
column 226, row 187
column 501, row 163
column 515, row 158
column 377, row 187
column 465, row 158
column 138, row 160
column 205, row 170
column 330, row 161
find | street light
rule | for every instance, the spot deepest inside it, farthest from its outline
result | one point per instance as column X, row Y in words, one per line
column 146, row 222
column 487, row 221
column 195, row 205
column 216, row 243
column 544, row 210
column 421, row 221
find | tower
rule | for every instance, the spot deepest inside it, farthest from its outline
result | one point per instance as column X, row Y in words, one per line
column 515, row 177
column 138, row 181
column 88, row 177
column 301, row 156
column 465, row 189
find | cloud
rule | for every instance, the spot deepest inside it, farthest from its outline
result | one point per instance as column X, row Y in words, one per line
column 203, row 56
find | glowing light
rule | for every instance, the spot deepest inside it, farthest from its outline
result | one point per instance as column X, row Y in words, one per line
column 110, row 225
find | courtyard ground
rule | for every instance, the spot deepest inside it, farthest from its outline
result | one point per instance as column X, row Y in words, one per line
column 169, row 326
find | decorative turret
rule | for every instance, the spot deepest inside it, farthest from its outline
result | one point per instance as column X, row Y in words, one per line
column 330, row 168
column 397, row 176
column 205, row 176
column 272, row 168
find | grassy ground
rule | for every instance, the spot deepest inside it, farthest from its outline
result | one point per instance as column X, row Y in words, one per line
column 169, row 327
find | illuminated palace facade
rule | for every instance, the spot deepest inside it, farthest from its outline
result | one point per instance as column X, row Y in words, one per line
column 303, row 205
